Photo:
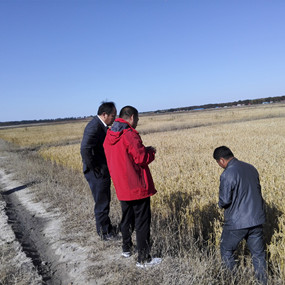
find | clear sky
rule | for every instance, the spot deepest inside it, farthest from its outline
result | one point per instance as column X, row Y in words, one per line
column 61, row 58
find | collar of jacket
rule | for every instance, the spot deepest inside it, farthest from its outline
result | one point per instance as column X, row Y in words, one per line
column 102, row 121
column 231, row 161
column 120, row 120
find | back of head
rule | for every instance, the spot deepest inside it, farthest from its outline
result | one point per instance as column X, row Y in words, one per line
column 106, row 107
column 127, row 111
column 222, row 152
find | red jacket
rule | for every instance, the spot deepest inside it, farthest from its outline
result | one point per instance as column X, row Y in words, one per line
column 128, row 160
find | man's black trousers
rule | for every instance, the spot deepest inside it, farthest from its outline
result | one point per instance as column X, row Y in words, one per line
column 100, row 187
column 136, row 214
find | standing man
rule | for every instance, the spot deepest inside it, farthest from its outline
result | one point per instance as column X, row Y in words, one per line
column 128, row 161
column 95, row 166
column 240, row 197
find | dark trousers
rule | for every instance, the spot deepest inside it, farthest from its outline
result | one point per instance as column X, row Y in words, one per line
column 136, row 214
column 254, row 239
column 100, row 187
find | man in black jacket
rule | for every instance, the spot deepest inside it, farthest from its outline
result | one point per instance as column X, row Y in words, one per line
column 240, row 197
column 95, row 166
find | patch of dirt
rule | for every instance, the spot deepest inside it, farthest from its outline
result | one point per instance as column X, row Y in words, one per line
column 39, row 234
column 34, row 230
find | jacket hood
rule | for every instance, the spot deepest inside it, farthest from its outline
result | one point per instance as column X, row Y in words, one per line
column 119, row 127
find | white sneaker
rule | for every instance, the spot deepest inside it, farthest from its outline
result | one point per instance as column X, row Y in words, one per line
column 126, row 254
column 153, row 262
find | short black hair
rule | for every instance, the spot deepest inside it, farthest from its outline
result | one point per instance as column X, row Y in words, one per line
column 128, row 111
column 222, row 152
column 106, row 107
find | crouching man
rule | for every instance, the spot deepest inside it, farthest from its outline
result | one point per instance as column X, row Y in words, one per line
column 240, row 197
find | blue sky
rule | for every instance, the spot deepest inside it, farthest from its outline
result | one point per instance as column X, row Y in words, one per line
column 61, row 58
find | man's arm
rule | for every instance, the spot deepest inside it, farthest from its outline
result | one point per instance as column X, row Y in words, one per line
column 225, row 193
column 89, row 143
column 141, row 155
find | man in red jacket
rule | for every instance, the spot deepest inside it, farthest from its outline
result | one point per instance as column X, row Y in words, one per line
column 128, row 160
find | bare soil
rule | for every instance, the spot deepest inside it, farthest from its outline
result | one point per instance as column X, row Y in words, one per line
column 39, row 234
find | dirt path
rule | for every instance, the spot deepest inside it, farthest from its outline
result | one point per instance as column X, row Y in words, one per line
column 38, row 232
column 43, row 252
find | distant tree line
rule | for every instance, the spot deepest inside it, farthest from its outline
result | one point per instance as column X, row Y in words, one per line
column 44, row 121
column 190, row 108
column 222, row 105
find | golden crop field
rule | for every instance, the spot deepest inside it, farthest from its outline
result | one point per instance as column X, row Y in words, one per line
column 184, row 171
column 42, row 135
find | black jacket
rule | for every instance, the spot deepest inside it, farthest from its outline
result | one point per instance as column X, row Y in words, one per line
column 240, row 196
column 92, row 151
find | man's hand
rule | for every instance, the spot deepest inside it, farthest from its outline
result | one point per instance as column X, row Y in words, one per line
column 152, row 149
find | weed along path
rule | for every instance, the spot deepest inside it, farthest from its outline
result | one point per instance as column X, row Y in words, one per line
column 35, row 234
column 38, row 251
column 19, row 225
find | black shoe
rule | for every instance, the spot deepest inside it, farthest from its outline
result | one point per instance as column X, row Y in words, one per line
column 110, row 237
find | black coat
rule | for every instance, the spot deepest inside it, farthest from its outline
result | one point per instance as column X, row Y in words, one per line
column 240, row 196
column 92, row 151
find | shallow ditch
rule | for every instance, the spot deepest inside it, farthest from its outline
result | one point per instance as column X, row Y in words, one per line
column 28, row 245
column 33, row 232
column 29, row 231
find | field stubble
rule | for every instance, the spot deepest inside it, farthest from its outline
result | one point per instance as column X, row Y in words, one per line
column 185, row 213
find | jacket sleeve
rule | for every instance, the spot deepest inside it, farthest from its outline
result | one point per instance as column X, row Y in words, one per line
column 226, row 191
column 89, row 143
column 140, row 154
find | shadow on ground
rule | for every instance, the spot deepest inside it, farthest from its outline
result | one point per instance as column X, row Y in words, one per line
column 175, row 231
column 16, row 189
